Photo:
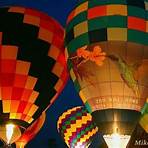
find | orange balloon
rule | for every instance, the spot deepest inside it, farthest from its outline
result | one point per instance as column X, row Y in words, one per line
column 33, row 69
column 31, row 131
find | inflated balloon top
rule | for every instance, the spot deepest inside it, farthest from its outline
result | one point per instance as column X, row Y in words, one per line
column 77, row 127
column 32, row 64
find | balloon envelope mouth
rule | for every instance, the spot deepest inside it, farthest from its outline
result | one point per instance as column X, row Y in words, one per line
column 125, row 120
column 9, row 133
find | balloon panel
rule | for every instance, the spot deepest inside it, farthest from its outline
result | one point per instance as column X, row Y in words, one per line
column 119, row 79
column 32, row 64
column 76, row 127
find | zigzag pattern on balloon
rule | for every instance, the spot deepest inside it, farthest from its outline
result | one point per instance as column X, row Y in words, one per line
column 65, row 115
column 71, row 119
column 79, row 123
column 86, row 137
column 76, row 127
column 84, row 134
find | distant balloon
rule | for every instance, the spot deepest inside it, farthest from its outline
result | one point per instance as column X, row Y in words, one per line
column 31, row 131
column 107, row 56
column 32, row 67
column 77, row 128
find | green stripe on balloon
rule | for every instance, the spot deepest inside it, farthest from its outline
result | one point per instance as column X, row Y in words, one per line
column 76, row 20
column 69, row 63
column 97, row 3
column 116, row 21
column 133, row 36
column 105, row 2
column 82, row 133
column 138, row 37
column 78, row 42
column 145, row 109
column 73, row 118
column 137, row 12
column 88, row 107
column 107, row 21
column 77, row 86
column 97, row 23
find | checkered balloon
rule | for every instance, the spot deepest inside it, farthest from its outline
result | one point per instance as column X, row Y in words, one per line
column 32, row 64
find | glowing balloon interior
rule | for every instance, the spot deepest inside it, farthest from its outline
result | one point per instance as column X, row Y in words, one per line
column 9, row 133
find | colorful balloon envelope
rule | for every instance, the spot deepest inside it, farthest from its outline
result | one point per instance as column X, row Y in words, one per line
column 107, row 52
column 32, row 66
column 31, row 131
column 76, row 127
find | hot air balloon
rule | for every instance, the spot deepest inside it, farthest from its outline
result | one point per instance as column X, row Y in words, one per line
column 107, row 53
column 77, row 128
column 31, row 131
column 32, row 68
